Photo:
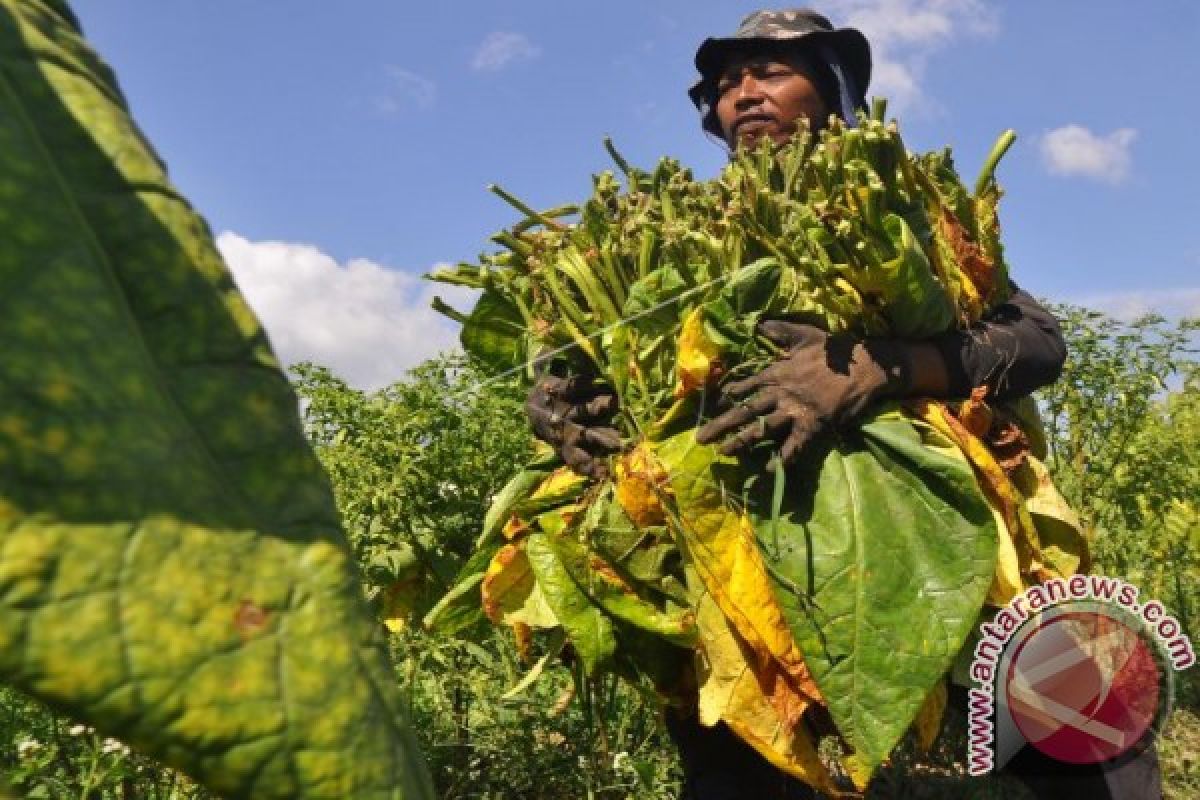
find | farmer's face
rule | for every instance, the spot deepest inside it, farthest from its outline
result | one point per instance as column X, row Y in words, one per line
column 766, row 95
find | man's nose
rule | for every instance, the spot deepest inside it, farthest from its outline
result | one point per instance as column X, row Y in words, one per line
column 748, row 92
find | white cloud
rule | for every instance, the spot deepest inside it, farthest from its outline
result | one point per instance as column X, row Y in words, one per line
column 1074, row 150
column 904, row 34
column 405, row 89
column 364, row 321
column 501, row 48
column 1170, row 303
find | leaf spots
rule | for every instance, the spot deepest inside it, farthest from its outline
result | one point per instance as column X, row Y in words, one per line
column 250, row 619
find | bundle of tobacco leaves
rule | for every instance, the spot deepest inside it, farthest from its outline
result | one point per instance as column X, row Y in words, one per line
column 754, row 593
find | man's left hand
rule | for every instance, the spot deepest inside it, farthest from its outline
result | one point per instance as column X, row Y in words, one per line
column 822, row 379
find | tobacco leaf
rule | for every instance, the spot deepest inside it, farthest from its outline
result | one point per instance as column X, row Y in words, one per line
column 698, row 356
column 640, row 479
column 510, row 593
column 605, row 587
column 718, row 540
column 494, row 331
column 589, row 629
column 732, row 691
column 916, row 305
column 1063, row 542
column 172, row 567
column 556, row 490
column 880, row 558
column 1020, row 555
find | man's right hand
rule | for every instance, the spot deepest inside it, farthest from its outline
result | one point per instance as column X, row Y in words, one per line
column 571, row 415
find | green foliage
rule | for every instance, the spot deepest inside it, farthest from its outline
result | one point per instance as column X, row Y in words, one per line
column 48, row 757
column 1124, row 436
column 421, row 461
column 563, row 737
column 414, row 467
column 172, row 567
column 1121, row 420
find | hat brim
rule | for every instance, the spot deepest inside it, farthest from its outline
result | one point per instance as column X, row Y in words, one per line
column 851, row 46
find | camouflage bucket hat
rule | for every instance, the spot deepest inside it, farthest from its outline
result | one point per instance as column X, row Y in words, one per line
column 844, row 50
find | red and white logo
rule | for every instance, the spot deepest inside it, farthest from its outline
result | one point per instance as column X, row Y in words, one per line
column 1084, row 687
column 1075, row 667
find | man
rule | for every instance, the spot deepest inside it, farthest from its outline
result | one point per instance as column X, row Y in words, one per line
column 778, row 69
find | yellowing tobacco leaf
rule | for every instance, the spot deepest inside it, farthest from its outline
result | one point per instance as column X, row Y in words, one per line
column 698, row 355
column 975, row 414
column 722, row 547
column 1064, row 543
column 731, row 691
column 552, row 494
column 510, row 591
column 1018, row 551
column 564, row 483
column 640, row 478
column 1007, row 582
column 978, row 271
column 986, row 206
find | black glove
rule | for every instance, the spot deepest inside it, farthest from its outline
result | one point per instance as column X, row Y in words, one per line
column 820, row 380
column 570, row 414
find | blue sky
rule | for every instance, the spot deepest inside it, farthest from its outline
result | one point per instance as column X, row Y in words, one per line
column 342, row 149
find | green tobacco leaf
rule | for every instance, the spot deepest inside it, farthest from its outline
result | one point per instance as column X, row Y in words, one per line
column 752, row 288
column 880, row 558
column 589, row 629
column 917, row 305
column 517, row 490
column 646, row 556
column 649, row 302
column 885, row 550
column 494, row 331
column 611, row 591
column 172, row 567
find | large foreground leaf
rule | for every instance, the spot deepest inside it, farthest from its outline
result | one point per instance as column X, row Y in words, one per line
column 882, row 556
column 172, row 568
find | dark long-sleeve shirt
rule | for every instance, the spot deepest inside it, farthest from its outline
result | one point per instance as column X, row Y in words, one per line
column 1014, row 350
